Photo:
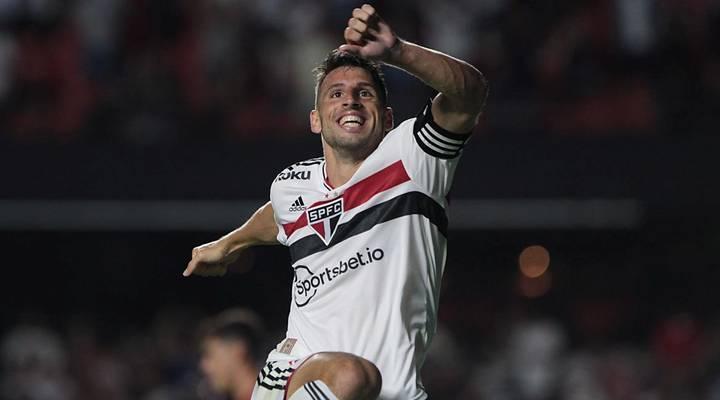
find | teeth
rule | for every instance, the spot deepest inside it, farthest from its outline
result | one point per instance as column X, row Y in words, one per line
column 351, row 119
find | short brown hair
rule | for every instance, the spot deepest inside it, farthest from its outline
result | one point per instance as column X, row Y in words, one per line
column 236, row 324
column 336, row 59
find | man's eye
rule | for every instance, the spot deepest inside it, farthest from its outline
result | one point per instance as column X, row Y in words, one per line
column 335, row 94
column 365, row 93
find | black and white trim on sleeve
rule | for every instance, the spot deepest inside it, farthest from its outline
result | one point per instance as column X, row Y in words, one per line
column 435, row 140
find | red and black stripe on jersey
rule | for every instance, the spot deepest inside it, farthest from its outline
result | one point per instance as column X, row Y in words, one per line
column 405, row 204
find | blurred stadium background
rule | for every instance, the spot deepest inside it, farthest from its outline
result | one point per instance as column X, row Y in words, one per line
column 131, row 131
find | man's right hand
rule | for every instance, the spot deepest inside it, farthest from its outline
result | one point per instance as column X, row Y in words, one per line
column 369, row 36
column 210, row 259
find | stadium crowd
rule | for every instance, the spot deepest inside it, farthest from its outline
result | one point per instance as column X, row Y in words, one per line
column 528, row 359
column 164, row 71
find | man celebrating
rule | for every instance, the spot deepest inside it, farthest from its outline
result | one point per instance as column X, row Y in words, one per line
column 366, row 224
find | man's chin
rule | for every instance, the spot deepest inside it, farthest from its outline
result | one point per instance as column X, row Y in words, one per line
column 352, row 132
column 352, row 143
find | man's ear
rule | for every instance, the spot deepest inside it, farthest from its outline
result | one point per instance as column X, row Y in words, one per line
column 389, row 122
column 315, row 124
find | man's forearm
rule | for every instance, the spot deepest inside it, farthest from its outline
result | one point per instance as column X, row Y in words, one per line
column 460, row 82
column 260, row 229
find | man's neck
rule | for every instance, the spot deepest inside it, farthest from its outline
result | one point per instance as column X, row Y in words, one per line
column 339, row 170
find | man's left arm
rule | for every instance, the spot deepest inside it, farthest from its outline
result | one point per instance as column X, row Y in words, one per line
column 462, row 88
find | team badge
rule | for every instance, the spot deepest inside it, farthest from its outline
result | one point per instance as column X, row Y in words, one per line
column 324, row 218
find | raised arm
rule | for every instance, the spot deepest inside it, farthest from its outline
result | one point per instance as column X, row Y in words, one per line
column 462, row 88
column 212, row 259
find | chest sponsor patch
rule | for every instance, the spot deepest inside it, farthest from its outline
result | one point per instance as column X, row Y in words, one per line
column 323, row 218
column 308, row 282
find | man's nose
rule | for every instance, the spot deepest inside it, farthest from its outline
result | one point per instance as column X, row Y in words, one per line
column 353, row 102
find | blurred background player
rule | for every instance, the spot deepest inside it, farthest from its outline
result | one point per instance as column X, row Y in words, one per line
column 231, row 352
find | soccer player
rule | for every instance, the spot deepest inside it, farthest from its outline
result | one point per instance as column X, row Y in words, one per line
column 230, row 346
column 366, row 224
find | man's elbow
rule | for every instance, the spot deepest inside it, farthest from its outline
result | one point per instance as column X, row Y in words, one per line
column 476, row 94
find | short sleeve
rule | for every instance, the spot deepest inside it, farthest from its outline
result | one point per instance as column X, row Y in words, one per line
column 433, row 139
column 431, row 153
column 275, row 200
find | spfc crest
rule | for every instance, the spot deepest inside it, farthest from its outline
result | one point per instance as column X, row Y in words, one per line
column 324, row 218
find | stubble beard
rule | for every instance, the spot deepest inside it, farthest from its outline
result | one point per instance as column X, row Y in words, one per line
column 353, row 149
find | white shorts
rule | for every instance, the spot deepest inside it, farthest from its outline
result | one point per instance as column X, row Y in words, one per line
column 274, row 379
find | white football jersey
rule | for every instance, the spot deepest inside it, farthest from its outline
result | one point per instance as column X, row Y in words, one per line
column 368, row 256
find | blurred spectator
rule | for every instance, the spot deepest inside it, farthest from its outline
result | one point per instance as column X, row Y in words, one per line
column 530, row 367
column 50, row 96
column 589, row 84
column 98, row 371
column 34, row 365
column 676, row 345
column 446, row 368
column 232, row 353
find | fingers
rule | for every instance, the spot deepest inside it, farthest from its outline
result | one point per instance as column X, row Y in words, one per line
column 364, row 19
column 350, row 48
column 206, row 261
column 358, row 32
column 357, row 25
column 203, row 269
column 363, row 27
column 352, row 36
column 191, row 267
column 366, row 13
column 368, row 9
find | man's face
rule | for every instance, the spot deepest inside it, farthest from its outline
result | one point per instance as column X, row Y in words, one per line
column 218, row 363
column 349, row 114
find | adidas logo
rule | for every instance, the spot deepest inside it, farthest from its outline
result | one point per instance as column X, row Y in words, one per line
column 297, row 205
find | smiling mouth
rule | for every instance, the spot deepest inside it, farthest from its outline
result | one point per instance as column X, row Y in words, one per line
column 351, row 121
